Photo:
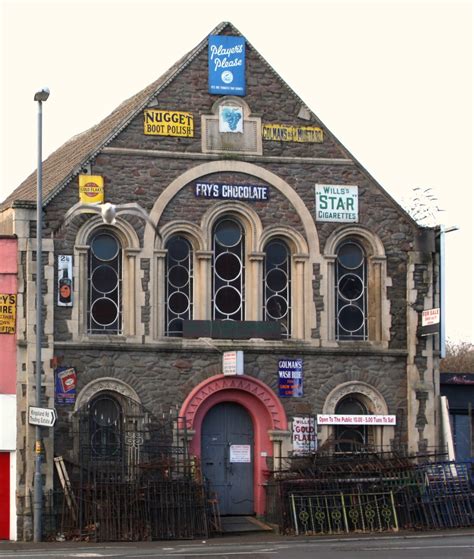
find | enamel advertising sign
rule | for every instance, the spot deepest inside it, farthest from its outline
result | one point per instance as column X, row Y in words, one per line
column 168, row 123
column 337, row 203
column 91, row 189
column 290, row 378
column 226, row 60
column 7, row 313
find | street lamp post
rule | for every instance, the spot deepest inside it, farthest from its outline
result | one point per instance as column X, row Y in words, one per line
column 40, row 96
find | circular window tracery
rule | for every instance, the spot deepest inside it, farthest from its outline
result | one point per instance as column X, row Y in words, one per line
column 179, row 289
column 277, row 285
column 228, row 270
column 351, row 292
column 105, row 282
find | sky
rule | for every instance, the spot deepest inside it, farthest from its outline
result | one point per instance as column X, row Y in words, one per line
column 392, row 80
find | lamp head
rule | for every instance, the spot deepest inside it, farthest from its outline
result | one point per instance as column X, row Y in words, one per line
column 42, row 94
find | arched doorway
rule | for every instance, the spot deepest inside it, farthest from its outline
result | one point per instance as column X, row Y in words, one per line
column 227, row 457
column 356, row 398
column 266, row 414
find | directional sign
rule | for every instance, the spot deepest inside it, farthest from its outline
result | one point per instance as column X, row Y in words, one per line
column 44, row 417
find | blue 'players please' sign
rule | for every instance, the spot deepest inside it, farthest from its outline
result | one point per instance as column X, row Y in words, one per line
column 226, row 65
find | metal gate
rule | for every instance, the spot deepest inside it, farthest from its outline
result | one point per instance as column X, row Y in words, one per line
column 227, row 457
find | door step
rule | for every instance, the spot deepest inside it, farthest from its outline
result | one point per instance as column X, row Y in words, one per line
column 243, row 524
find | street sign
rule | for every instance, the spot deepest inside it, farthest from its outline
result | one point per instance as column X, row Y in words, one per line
column 44, row 417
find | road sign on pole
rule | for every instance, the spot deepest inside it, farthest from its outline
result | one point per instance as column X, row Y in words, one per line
column 44, row 417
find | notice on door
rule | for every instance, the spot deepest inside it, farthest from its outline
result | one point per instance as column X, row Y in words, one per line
column 239, row 453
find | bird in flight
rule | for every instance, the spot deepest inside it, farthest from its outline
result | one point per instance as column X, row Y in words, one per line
column 109, row 212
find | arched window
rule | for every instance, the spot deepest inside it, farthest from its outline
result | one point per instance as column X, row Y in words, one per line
column 351, row 292
column 350, row 438
column 104, row 309
column 179, row 286
column 105, row 427
column 277, row 285
column 228, row 299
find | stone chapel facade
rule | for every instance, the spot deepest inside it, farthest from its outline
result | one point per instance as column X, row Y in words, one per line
column 242, row 225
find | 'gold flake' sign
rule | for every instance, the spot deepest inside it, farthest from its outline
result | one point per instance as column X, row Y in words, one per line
column 285, row 133
column 168, row 123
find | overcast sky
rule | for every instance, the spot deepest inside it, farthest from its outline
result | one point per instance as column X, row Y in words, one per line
column 392, row 80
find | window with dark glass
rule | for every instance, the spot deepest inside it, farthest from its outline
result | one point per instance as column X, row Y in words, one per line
column 277, row 285
column 228, row 301
column 350, row 438
column 104, row 311
column 351, row 292
column 179, row 288
column 105, row 427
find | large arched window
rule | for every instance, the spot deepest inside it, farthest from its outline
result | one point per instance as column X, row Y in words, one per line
column 179, row 285
column 228, row 267
column 351, row 292
column 350, row 438
column 104, row 309
column 277, row 285
column 105, row 427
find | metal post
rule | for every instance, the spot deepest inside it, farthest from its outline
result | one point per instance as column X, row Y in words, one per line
column 442, row 287
column 442, row 293
column 38, row 482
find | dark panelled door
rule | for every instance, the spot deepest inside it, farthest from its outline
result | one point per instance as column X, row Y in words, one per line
column 227, row 457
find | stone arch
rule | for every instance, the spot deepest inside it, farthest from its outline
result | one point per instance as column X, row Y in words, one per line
column 122, row 228
column 373, row 401
column 371, row 396
column 235, row 167
column 251, row 387
column 371, row 242
column 305, row 305
column 105, row 384
column 189, row 230
column 297, row 242
column 246, row 215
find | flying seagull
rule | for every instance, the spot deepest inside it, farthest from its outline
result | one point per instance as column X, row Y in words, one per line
column 109, row 212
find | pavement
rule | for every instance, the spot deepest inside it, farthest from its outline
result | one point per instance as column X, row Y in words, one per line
column 245, row 537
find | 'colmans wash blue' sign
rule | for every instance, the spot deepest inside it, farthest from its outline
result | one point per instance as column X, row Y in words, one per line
column 290, row 378
column 226, row 65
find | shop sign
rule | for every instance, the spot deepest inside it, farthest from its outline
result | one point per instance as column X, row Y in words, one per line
column 65, row 385
column 250, row 193
column 233, row 363
column 168, row 123
column 226, row 60
column 7, row 313
column 91, row 189
column 64, row 281
column 324, row 419
column 304, row 435
column 239, row 453
column 284, row 133
column 337, row 203
column 290, row 378
column 430, row 322
column 231, row 119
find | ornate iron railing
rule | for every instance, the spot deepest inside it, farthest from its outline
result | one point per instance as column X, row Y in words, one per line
column 343, row 513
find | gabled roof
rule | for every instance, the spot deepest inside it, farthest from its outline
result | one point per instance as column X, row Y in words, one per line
column 66, row 162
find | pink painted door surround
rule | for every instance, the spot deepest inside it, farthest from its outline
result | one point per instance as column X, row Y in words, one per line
column 263, row 406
